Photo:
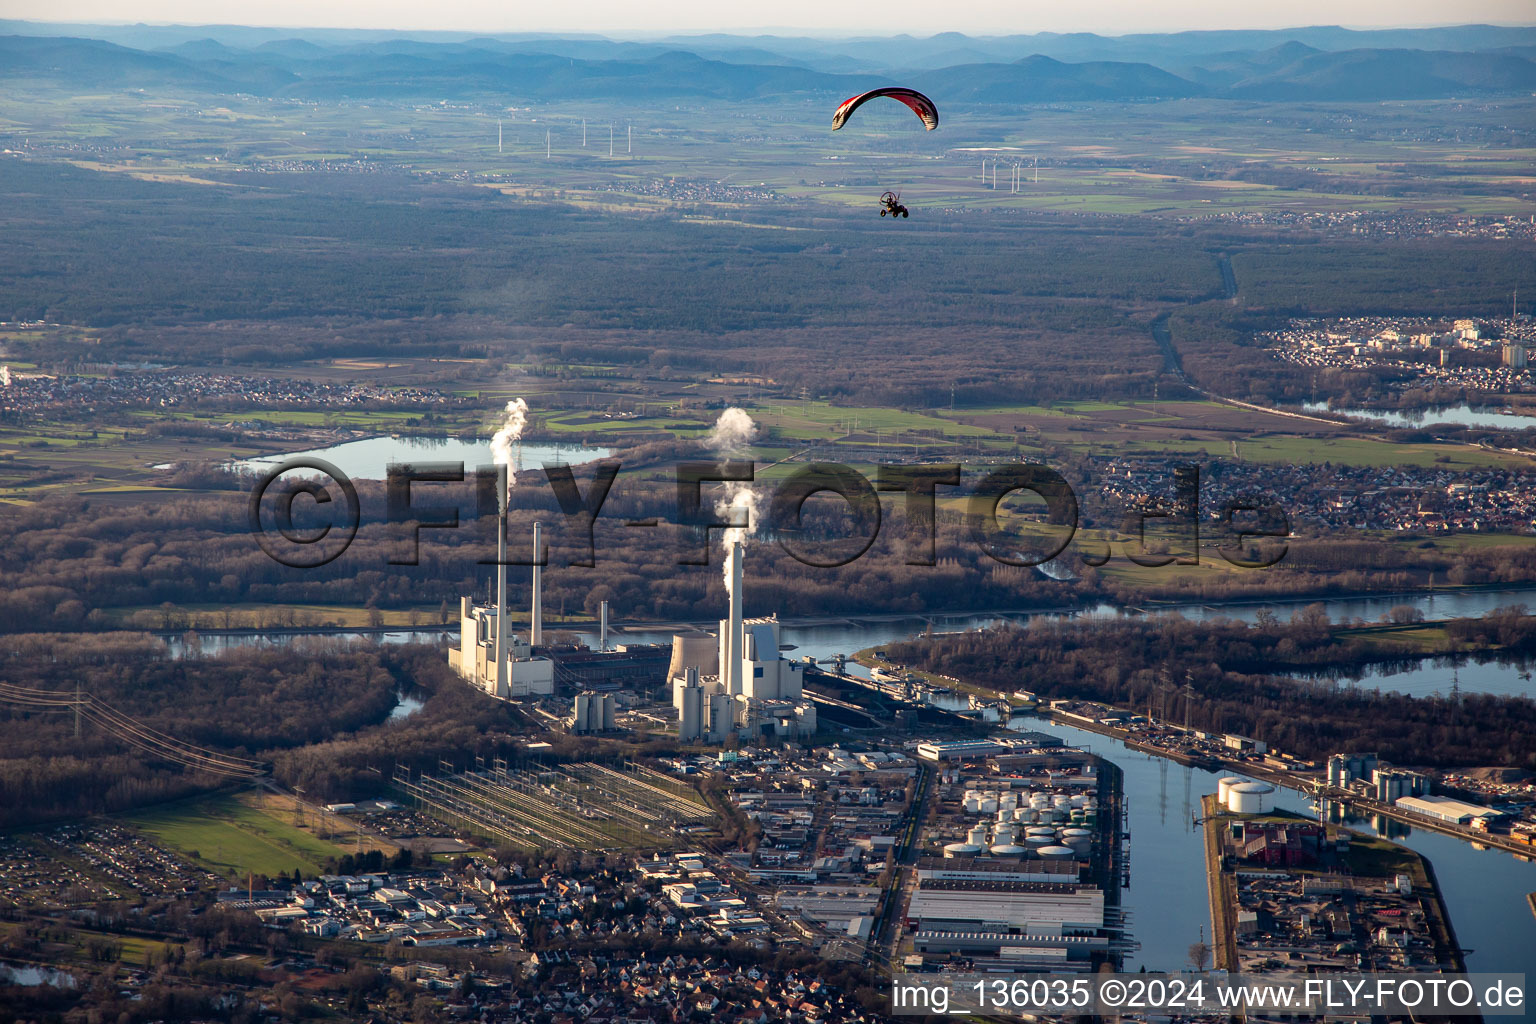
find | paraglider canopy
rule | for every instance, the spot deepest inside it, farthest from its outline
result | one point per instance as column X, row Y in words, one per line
column 920, row 105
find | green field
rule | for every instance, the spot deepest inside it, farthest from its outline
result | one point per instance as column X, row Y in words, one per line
column 234, row 839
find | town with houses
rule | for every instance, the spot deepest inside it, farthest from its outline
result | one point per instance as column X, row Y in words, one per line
column 1488, row 355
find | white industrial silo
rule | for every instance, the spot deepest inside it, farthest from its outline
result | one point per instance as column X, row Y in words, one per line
column 1249, row 797
column 1222, row 788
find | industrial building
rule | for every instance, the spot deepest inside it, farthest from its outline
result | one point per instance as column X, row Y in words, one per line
column 980, row 750
column 738, row 682
column 1443, row 808
column 1002, row 913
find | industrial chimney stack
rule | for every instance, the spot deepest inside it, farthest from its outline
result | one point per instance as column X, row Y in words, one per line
column 502, row 683
column 733, row 633
column 536, row 636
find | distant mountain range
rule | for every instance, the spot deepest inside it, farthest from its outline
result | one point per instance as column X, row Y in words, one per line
column 1312, row 64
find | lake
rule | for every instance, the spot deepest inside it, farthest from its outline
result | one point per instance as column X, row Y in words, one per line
column 370, row 458
column 1462, row 415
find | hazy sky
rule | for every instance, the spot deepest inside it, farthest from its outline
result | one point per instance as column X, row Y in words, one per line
column 1107, row 17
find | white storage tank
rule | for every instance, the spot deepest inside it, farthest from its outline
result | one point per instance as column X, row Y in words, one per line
column 954, row 850
column 988, row 805
column 1249, row 797
column 1007, row 850
column 1223, row 786
column 972, row 804
column 978, row 835
column 1056, row 851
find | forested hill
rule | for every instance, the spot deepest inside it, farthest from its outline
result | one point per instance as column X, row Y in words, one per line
column 1022, row 70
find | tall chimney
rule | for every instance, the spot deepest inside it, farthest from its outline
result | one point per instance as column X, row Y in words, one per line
column 733, row 638
column 536, row 634
column 501, row 596
column 602, row 627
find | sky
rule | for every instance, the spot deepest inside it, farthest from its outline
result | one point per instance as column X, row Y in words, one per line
column 888, row 17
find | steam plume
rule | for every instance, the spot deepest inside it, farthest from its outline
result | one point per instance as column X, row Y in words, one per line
column 5, row 376
column 731, row 435
column 732, row 432
column 503, row 440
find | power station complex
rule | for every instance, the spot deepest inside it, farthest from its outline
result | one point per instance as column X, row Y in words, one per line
column 737, row 682
column 733, row 683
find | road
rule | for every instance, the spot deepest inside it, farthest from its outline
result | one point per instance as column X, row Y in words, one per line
column 886, row 934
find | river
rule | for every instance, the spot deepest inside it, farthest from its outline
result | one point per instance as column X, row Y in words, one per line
column 1484, row 890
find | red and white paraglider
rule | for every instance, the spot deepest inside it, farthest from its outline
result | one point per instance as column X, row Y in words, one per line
column 922, row 106
column 919, row 104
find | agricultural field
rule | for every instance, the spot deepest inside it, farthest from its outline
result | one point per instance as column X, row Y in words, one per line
column 234, row 836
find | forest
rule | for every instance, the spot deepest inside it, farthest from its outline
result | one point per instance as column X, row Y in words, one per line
column 964, row 306
column 316, row 711
column 81, row 563
column 1245, row 681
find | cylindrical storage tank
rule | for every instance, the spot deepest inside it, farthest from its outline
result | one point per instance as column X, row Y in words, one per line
column 1057, row 815
column 1061, row 800
column 1021, row 814
column 1038, row 800
column 978, row 835
column 1223, row 786
column 1080, row 801
column 1338, row 770
column 1249, row 797
column 954, row 850
column 1007, row 850
column 1040, row 830
column 1037, row 841
column 989, row 805
column 1055, row 851
column 1073, row 833
column 1008, row 801
column 973, row 805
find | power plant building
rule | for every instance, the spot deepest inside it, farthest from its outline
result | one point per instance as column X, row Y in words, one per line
column 490, row 656
column 520, row 674
column 738, row 682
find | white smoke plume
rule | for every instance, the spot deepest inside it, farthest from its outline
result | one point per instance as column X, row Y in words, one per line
column 503, row 441
column 733, row 432
column 5, row 376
